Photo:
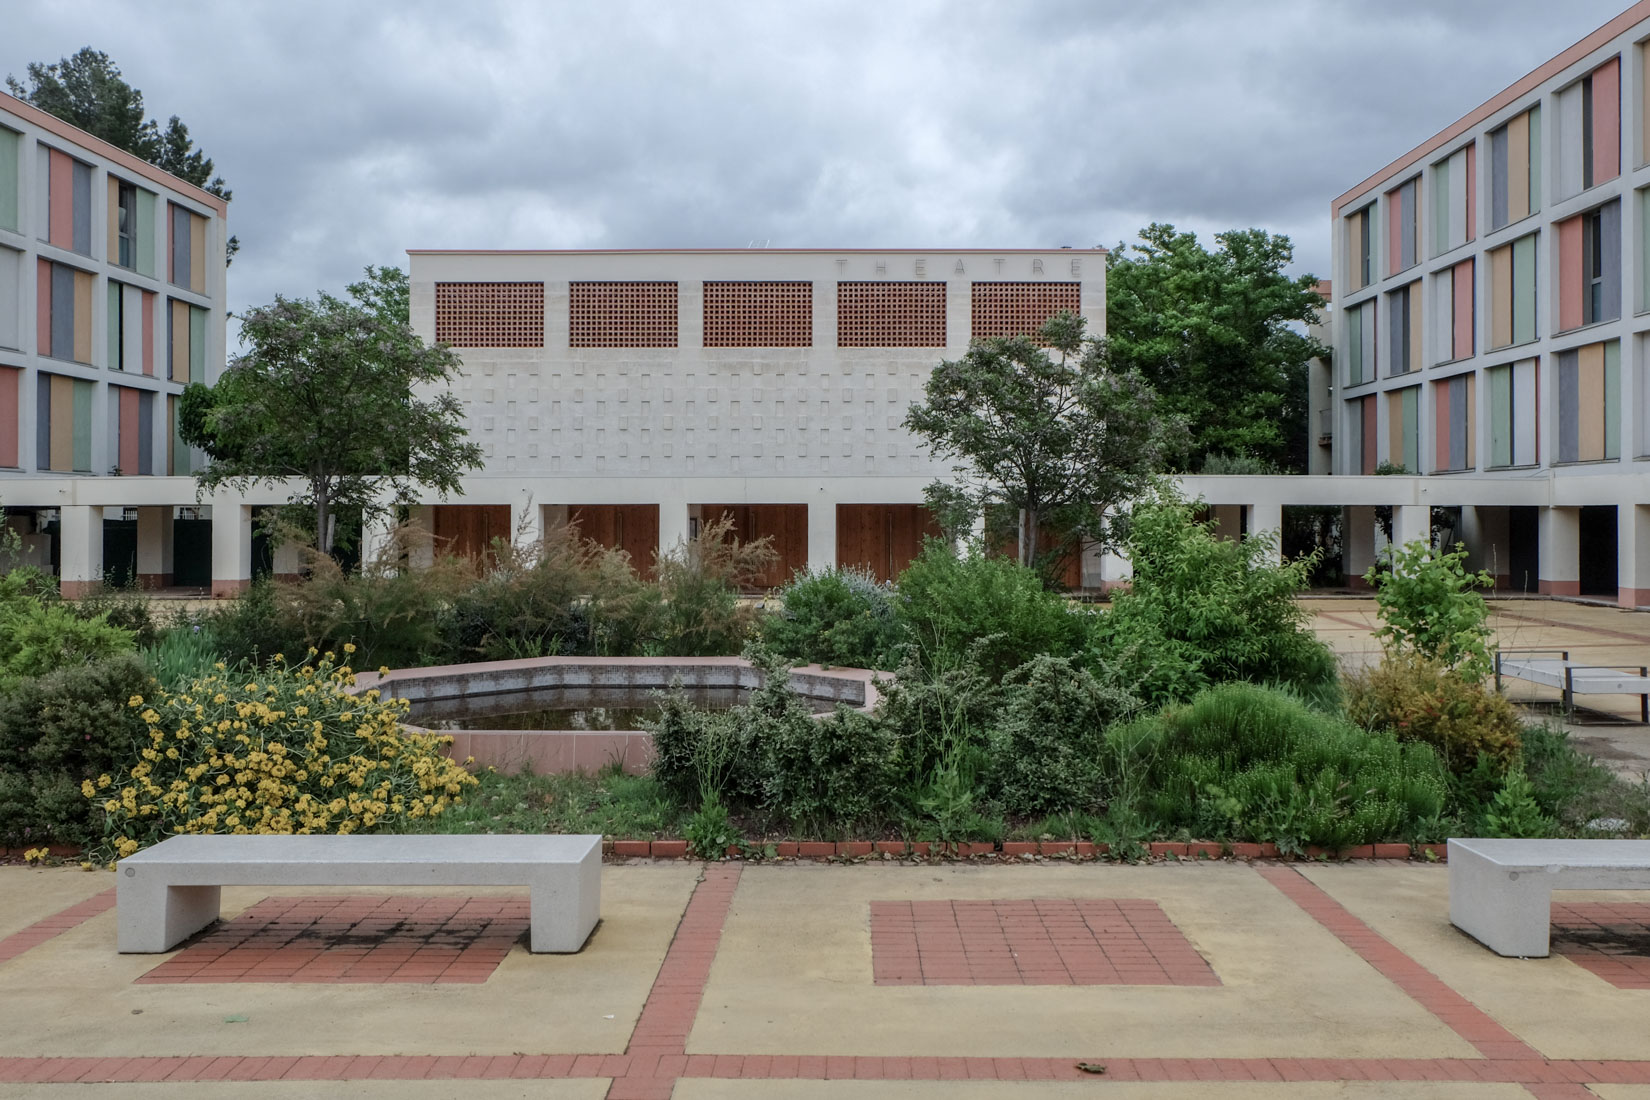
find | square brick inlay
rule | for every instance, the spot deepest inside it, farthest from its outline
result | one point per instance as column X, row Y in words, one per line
column 353, row 939
column 1034, row 941
column 1611, row 939
column 490, row 315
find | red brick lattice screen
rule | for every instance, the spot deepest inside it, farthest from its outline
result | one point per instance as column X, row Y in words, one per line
column 1019, row 309
column 890, row 315
column 759, row 315
column 622, row 315
column 490, row 315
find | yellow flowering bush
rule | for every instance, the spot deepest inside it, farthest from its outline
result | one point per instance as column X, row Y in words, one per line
column 286, row 749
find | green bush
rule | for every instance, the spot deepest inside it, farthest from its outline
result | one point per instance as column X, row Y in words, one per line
column 700, row 582
column 993, row 606
column 1429, row 605
column 1575, row 790
column 1418, row 699
column 1245, row 762
column 37, row 637
column 127, row 608
column 391, row 614
column 253, row 627
column 836, row 617
column 184, row 652
column 1204, row 610
column 58, row 731
column 1049, row 740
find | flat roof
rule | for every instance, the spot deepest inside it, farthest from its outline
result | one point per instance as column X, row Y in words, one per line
column 1531, row 80
column 1097, row 250
column 132, row 163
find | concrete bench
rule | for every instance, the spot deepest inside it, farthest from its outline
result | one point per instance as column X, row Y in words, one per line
column 167, row 893
column 1573, row 679
column 1500, row 891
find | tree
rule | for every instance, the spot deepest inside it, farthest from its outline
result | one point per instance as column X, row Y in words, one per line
column 1049, row 430
column 338, row 394
column 1218, row 335
column 87, row 91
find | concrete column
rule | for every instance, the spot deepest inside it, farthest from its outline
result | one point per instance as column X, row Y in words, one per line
column 1266, row 521
column 1484, row 530
column 231, row 546
column 1560, row 530
column 80, row 558
column 1357, row 544
column 673, row 524
column 421, row 519
column 154, row 547
column 1632, row 555
column 1411, row 523
column 821, row 535
column 526, row 520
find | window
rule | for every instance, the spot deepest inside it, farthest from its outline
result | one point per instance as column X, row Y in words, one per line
column 1359, row 268
column 1515, row 169
column 1019, row 309
column 1589, row 267
column 1589, row 399
column 1453, row 302
column 65, row 298
column 890, row 315
column 489, row 315
column 1403, row 314
column 63, row 424
column 131, row 328
column 1513, row 389
column 1512, row 293
column 10, row 145
column 758, row 315
column 125, row 251
column 1403, row 421
column 66, row 185
column 622, row 315
column 1589, row 130
column 1400, row 227
column 1360, row 343
column 1455, row 200
column 1454, row 416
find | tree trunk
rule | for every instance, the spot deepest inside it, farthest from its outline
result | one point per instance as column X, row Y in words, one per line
column 323, row 513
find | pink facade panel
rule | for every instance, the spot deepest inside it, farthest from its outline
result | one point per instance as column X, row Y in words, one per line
column 1462, row 277
column 10, row 379
column 149, row 333
column 1569, row 274
column 60, row 230
column 1607, row 121
column 1472, row 191
column 129, row 430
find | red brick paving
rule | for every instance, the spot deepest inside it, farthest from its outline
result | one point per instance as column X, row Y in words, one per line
column 1036, row 941
column 55, row 925
column 1610, row 939
column 363, row 940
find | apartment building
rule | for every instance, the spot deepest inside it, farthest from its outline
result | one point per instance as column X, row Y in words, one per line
column 111, row 301
column 641, row 393
column 1491, row 320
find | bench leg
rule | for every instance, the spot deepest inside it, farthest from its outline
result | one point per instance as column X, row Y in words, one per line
column 1508, row 912
column 565, row 904
column 152, row 917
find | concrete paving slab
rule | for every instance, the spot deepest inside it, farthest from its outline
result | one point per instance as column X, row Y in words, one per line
column 31, row 894
column 793, row 975
column 700, row 1089
column 74, row 996
column 1553, row 1004
column 1621, row 1092
column 586, row 1089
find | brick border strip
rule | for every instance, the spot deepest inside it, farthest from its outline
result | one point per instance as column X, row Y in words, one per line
column 55, row 925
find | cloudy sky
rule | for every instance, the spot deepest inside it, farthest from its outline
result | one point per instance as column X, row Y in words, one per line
column 352, row 131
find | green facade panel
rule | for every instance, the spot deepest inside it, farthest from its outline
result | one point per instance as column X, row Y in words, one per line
column 1523, row 290
column 1500, row 416
column 145, row 235
column 10, row 142
column 82, row 426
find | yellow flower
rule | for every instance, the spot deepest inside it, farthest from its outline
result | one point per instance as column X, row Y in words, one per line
column 86, row 789
column 135, row 701
column 103, row 781
column 349, row 647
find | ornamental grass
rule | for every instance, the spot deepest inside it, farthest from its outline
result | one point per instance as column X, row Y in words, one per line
column 286, row 749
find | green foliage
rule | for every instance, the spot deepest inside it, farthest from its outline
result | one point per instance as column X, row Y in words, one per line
column 339, row 396
column 1252, row 763
column 126, row 608
column 836, row 617
column 710, row 832
column 1576, row 790
column 609, row 802
column 700, row 581
column 185, row 652
column 996, row 608
column 253, row 627
column 1050, row 430
column 1048, row 743
column 56, row 732
column 1429, row 605
column 1514, row 811
column 39, row 634
column 1417, row 699
column 1203, row 610
column 1218, row 334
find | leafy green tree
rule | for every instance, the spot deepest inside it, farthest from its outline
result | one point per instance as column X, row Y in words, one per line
column 1429, row 604
column 339, row 395
column 1051, row 431
column 87, row 91
column 1218, row 335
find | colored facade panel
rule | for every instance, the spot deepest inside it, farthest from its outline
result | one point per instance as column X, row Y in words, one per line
column 68, row 202
column 63, row 424
column 197, row 344
column 1513, row 413
column 187, row 234
column 64, row 312
column 185, row 341
column 11, row 185
column 147, row 333
column 1606, row 123
column 1513, row 293
column 145, row 234
column 1515, row 169
column 1454, row 200
column 1462, row 298
column 134, row 430
column 1368, row 458
column 1570, row 286
column 1601, row 264
column 11, row 298
column 1454, row 404
column 1360, row 260
column 1588, row 385
column 1361, row 344
column 1404, row 353
column 130, row 329
column 178, row 462
column 1401, row 229
column 11, row 380
column 1403, row 421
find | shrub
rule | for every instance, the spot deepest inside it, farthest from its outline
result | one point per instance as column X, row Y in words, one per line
column 700, row 581
column 1047, row 747
column 1575, row 790
column 998, row 608
column 1418, row 699
column 1253, row 763
column 253, row 627
column 285, row 750
column 183, row 653
column 1429, row 605
column 37, row 638
column 836, row 617
column 1514, row 812
column 127, row 608
column 57, row 731
column 1204, row 610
